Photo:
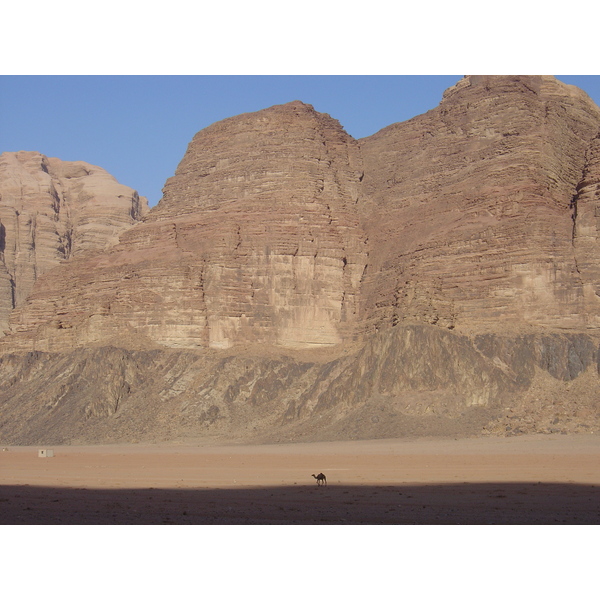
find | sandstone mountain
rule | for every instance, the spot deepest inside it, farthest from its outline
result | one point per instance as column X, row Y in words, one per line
column 257, row 239
column 483, row 212
column 50, row 211
column 438, row 277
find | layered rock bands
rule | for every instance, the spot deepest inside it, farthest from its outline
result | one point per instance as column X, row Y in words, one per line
column 443, row 267
column 256, row 240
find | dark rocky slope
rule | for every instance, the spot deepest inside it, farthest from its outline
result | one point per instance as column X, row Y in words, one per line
column 407, row 381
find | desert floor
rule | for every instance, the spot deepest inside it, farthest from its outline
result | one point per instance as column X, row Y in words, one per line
column 549, row 479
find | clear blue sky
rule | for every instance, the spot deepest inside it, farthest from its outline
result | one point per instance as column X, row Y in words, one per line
column 138, row 127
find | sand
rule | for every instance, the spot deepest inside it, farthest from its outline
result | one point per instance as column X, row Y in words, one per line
column 543, row 479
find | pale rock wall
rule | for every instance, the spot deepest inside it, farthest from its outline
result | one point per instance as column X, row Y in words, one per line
column 275, row 193
column 50, row 211
column 586, row 227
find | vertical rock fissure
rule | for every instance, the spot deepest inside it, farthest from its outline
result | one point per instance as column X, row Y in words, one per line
column 574, row 205
column 574, row 234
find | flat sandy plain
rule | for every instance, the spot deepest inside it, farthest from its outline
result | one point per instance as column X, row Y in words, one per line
column 542, row 479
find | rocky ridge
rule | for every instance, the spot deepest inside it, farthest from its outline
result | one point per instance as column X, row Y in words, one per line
column 407, row 381
column 436, row 278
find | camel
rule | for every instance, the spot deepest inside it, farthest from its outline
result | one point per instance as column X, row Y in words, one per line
column 321, row 479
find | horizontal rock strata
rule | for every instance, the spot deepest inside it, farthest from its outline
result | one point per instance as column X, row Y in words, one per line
column 471, row 209
column 257, row 240
column 440, row 277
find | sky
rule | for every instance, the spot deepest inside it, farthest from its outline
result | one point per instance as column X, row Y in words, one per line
column 137, row 127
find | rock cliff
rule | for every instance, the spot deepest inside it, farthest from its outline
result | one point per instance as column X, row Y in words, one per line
column 481, row 211
column 437, row 278
column 256, row 240
column 50, row 211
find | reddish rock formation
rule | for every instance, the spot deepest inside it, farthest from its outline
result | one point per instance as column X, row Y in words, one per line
column 50, row 211
column 256, row 240
column 438, row 277
column 471, row 209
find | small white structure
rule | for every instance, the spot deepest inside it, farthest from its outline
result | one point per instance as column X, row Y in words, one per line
column 45, row 453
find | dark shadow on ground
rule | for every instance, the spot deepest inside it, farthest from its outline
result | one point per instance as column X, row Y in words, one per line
column 468, row 503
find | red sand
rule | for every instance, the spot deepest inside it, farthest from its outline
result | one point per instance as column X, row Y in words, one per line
column 519, row 480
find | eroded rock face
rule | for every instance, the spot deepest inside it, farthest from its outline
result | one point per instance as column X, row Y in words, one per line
column 278, row 228
column 437, row 278
column 256, row 240
column 481, row 212
column 50, row 211
column 409, row 380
